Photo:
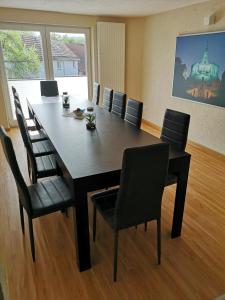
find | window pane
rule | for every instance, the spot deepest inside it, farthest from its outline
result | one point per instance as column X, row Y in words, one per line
column 69, row 62
column 24, row 63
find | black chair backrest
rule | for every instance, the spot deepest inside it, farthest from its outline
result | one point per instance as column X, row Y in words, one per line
column 15, row 94
column 11, row 158
column 175, row 128
column 26, row 139
column 107, row 99
column 14, row 91
column 133, row 113
column 18, row 105
column 49, row 88
column 96, row 92
column 142, row 182
column 119, row 104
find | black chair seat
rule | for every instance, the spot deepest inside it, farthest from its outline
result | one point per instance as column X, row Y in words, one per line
column 42, row 148
column 30, row 124
column 46, row 165
column 37, row 135
column 105, row 203
column 49, row 196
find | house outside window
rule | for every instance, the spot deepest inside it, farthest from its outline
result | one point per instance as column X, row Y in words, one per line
column 59, row 65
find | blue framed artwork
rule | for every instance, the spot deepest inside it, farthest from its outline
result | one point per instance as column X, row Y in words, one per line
column 199, row 70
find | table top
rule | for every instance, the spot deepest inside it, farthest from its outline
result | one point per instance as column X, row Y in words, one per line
column 89, row 152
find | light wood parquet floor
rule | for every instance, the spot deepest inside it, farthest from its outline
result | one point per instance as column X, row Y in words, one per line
column 192, row 267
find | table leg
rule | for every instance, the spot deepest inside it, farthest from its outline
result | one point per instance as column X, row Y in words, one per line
column 81, row 227
column 180, row 198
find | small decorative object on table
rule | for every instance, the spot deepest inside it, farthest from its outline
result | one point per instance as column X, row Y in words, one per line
column 79, row 113
column 65, row 100
column 90, row 118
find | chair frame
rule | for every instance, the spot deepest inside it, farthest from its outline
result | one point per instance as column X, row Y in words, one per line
column 96, row 93
column 162, row 152
column 45, row 85
column 122, row 99
column 107, row 103
column 23, row 193
column 31, row 160
column 137, row 108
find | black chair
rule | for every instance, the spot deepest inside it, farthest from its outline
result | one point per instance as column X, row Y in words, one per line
column 48, row 196
column 38, row 167
column 133, row 113
column 49, row 88
column 119, row 104
column 139, row 197
column 175, row 129
column 175, row 132
column 107, row 99
column 30, row 122
column 96, row 93
column 34, row 134
column 41, row 147
column 37, row 135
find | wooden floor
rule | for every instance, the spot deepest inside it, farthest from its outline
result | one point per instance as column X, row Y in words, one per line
column 192, row 267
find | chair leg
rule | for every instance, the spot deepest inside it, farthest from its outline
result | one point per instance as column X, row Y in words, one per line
column 94, row 222
column 146, row 226
column 65, row 211
column 159, row 240
column 28, row 165
column 33, row 177
column 116, row 237
column 21, row 217
column 31, row 238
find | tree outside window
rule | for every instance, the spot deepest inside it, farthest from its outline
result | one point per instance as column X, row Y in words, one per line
column 21, row 62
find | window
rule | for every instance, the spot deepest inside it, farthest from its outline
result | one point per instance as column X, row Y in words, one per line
column 64, row 49
column 59, row 65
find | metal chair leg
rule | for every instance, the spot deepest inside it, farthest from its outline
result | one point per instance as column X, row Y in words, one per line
column 33, row 177
column 21, row 217
column 31, row 238
column 28, row 165
column 159, row 240
column 146, row 226
column 65, row 211
column 116, row 237
column 94, row 222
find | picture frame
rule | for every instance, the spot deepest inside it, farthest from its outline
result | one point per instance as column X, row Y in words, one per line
column 199, row 68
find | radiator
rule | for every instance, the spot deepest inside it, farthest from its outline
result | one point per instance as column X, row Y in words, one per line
column 111, row 55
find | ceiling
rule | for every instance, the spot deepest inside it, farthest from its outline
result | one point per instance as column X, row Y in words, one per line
column 101, row 7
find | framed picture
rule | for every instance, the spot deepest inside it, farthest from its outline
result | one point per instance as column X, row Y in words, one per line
column 199, row 69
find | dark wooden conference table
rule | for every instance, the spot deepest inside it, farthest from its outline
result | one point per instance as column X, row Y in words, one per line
column 92, row 160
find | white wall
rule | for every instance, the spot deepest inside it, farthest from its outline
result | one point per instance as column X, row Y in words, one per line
column 207, row 125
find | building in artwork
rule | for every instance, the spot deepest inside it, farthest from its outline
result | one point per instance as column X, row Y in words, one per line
column 203, row 70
